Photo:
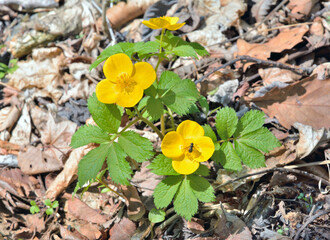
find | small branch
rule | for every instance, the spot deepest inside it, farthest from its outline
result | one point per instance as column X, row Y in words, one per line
column 285, row 170
column 310, row 219
column 246, row 59
column 104, row 19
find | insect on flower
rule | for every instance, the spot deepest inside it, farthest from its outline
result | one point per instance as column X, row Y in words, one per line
column 187, row 147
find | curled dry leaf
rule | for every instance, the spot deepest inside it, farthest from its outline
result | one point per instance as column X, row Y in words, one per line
column 300, row 8
column 22, row 132
column 136, row 208
column 123, row 230
column 306, row 101
column 270, row 75
column 68, row 174
column 260, row 9
column 8, row 117
column 286, row 39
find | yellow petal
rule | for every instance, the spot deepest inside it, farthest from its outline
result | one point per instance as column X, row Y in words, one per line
column 130, row 99
column 172, row 145
column 156, row 22
column 185, row 166
column 106, row 92
column 172, row 20
column 117, row 64
column 190, row 129
column 205, row 146
column 175, row 26
column 144, row 74
column 150, row 25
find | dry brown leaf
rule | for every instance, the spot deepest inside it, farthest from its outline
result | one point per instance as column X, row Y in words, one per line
column 22, row 132
column 300, row 8
column 306, row 101
column 135, row 207
column 196, row 225
column 286, row 39
column 72, row 235
column 260, row 9
column 43, row 71
column 270, row 75
column 8, row 117
column 123, row 230
column 317, row 27
column 82, row 211
column 68, row 174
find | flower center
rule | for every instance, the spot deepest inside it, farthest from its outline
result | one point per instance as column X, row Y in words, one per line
column 125, row 83
column 191, row 151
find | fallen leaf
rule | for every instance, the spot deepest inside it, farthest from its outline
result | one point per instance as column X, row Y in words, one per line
column 135, row 207
column 300, row 8
column 81, row 210
column 286, row 39
column 306, row 101
column 123, row 230
column 72, row 235
column 270, row 75
column 260, row 9
column 309, row 139
column 22, row 132
column 8, row 117
column 195, row 225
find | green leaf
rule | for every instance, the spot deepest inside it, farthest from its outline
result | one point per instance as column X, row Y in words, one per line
column 185, row 51
column 49, row 211
column 228, row 157
column 119, row 169
column 201, row 51
column 251, row 121
column 177, row 94
column 91, row 163
column 202, row 170
column 142, row 48
column 55, row 204
column 209, row 132
column 201, row 188
column 109, row 51
column 48, row 203
column 89, row 134
column 204, row 104
column 165, row 191
column 33, row 203
column 249, row 156
column 261, row 139
column 136, row 146
column 155, row 108
column 162, row 165
column 226, row 122
column 106, row 116
column 156, row 215
column 127, row 47
column 185, row 202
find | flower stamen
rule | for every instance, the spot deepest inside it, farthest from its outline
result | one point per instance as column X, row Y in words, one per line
column 125, row 82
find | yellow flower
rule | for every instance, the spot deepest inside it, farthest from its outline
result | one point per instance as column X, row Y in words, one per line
column 169, row 23
column 125, row 82
column 187, row 146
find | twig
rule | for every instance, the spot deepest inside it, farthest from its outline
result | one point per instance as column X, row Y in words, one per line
column 285, row 170
column 310, row 219
column 104, row 19
column 246, row 59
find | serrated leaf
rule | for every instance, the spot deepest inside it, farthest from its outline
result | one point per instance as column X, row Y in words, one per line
column 185, row 202
column 155, row 108
column 156, row 215
column 119, row 169
column 208, row 131
column 142, row 48
column 204, row 104
column 181, row 96
column 90, row 165
column 251, row 121
column 201, row 51
column 249, row 156
column 185, row 51
column 89, row 134
column 226, row 122
column 162, row 165
column 261, row 139
column 228, row 157
column 202, row 170
column 136, row 146
column 127, row 47
column 106, row 116
column 165, row 191
column 109, row 51
column 201, row 188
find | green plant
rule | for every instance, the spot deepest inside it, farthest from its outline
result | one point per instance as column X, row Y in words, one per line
column 240, row 141
column 51, row 206
column 34, row 208
column 4, row 69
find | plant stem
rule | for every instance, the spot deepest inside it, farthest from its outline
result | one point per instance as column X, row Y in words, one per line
column 160, row 50
column 112, row 190
column 162, row 124
column 171, row 117
column 150, row 124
